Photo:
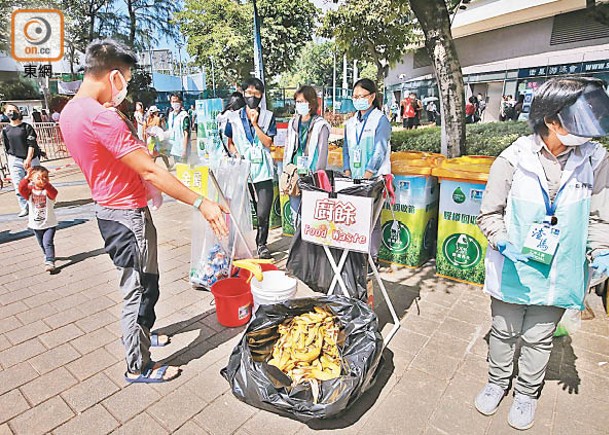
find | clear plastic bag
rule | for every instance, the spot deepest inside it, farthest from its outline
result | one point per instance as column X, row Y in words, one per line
column 211, row 257
column 570, row 323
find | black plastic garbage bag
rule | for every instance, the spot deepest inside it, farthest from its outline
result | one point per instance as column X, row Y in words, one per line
column 308, row 262
column 264, row 386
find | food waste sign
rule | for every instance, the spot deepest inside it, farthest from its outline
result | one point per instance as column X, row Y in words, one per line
column 342, row 222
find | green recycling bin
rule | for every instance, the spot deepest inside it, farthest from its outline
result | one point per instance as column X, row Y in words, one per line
column 409, row 226
column 461, row 245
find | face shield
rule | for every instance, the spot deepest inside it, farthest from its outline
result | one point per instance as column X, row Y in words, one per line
column 589, row 115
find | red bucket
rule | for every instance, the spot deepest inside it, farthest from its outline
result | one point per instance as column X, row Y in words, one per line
column 247, row 275
column 234, row 301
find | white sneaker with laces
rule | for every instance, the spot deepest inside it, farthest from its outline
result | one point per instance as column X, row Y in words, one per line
column 522, row 412
column 487, row 401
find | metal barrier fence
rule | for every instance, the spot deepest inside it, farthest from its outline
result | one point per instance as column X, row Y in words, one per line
column 49, row 139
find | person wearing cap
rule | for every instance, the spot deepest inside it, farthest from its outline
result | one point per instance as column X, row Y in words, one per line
column 545, row 215
column 153, row 128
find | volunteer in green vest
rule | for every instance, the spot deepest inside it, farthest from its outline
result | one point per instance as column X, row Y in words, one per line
column 307, row 141
column 545, row 214
column 367, row 149
column 250, row 132
column 179, row 124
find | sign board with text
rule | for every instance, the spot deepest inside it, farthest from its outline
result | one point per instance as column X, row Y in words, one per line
column 343, row 222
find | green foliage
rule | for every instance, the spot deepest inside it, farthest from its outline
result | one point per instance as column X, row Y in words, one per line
column 140, row 88
column 19, row 89
column 378, row 31
column 488, row 138
column 224, row 29
column 314, row 66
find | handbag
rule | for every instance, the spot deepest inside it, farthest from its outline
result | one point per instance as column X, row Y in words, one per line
column 288, row 182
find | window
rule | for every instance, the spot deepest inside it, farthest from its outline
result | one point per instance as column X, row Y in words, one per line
column 577, row 26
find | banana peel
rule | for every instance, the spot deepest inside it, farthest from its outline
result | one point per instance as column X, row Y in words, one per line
column 307, row 350
column 250, row 265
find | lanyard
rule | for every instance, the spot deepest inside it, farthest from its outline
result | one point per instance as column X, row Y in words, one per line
column 550, row 206
column 358, row 138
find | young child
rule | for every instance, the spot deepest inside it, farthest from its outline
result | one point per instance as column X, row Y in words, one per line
column 41, row 195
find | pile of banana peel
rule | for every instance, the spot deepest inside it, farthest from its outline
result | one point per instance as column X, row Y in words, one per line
column 304, row 347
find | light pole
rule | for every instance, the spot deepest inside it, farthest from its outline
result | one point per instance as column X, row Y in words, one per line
column 180, row 45
column 334, row 85
column 213, row 75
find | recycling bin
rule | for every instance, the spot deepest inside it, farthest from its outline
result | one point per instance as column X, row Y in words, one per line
column 461, row 246
column 409, row 226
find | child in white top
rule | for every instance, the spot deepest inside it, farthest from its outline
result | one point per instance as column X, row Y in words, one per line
column 41, row 195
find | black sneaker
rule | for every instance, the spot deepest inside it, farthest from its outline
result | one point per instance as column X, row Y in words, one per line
column 264, row 253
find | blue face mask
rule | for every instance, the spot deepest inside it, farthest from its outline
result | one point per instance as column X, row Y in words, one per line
column 302, row 108
column 361, row 104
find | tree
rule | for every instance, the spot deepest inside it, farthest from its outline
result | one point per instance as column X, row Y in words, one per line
column 140, row 87
column 19, row 89
column 149, row 18
column 434, row 20
column 378, row 31
column 223, row 29
column 314, row 65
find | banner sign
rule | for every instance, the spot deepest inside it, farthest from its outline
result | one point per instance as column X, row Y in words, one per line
column 343, row 222
column 208, row 137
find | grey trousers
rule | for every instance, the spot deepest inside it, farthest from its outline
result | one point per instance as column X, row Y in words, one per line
column 130, row 240
column 535, row 325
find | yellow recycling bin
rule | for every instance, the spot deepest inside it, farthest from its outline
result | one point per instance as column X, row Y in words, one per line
column 461, row 245
column 409, row 226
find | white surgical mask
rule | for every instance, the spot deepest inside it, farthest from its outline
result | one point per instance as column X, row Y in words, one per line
column 176, row 106
column 571, row 140
column 117, row 96
column 302, row 108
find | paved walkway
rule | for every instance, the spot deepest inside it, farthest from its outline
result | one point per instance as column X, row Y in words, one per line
column 61, row 367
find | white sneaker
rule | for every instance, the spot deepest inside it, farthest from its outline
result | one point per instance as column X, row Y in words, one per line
column 23, row 212
column 49, row 266
column 522, row 412
column 487, row 401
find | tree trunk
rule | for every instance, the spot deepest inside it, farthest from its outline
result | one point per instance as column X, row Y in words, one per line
column 132, row 23
column 435, row 22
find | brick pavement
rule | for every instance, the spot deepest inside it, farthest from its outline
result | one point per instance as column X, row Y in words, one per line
column 61, row 367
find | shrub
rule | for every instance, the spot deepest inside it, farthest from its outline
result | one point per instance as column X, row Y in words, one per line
column 489, row 138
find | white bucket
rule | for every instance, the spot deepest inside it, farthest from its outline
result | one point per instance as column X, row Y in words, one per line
column 275, row 287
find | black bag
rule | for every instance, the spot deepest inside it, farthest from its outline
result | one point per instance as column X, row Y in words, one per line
column 360, row 345
column 308, row 262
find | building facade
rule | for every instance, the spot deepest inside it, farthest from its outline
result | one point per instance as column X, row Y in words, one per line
column 509, row 46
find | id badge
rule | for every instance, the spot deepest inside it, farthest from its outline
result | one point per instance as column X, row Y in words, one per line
column 541, row 242
column 357, row 158
column 302, row 163
column 256, row 155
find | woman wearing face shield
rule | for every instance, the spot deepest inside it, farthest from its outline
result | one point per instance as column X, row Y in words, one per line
column 307, row 142
column 250, row 132
column 545, row 215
